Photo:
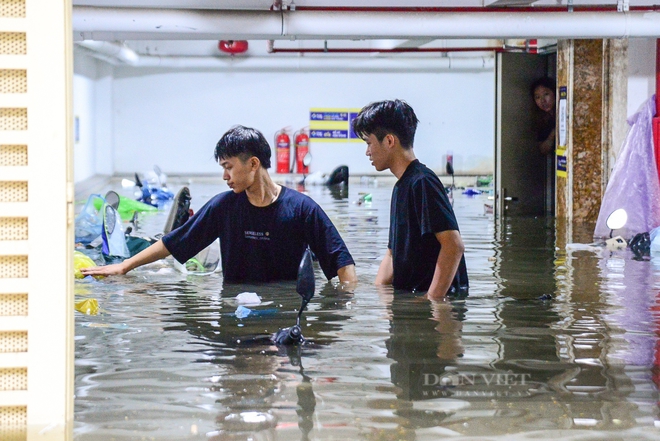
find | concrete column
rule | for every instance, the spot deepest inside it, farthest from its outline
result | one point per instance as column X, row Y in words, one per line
column 593, row 72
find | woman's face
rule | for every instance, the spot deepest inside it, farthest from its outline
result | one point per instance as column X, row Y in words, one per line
column 544, row 98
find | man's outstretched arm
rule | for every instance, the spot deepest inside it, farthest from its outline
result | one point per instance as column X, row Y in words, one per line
column 155, row 252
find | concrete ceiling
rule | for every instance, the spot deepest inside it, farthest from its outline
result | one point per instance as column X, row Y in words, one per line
column 195, row 45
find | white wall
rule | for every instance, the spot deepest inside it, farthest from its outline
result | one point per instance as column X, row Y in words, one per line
column 641, row 72
column 92, row 106
column 103, row 129
column 83, row 111
column 174, row 119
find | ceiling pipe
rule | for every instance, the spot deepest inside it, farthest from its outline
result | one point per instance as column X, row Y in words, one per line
column 276, row 63
column 396, row 50
column 401, row 50
column 112, row 51
column 153, row 24
column 525, row 9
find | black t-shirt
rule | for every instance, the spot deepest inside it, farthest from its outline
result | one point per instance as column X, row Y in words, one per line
column 420, row 208
column 261, row 244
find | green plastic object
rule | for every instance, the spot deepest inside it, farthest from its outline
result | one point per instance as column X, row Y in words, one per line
column 364, row 197
column 127, row 207
column 484, row 181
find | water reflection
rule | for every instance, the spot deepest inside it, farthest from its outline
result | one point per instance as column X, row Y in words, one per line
column 249, row 377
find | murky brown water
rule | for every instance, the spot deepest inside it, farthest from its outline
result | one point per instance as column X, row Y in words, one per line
column 168, row 359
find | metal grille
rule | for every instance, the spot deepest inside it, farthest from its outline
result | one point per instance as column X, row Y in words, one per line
column 13, row 304
column 13, row 43
column 13, row 81
column 13, row 118
column 13, row 155
column 13, row 379
column 13, row 191
column 13, row 341
column 13, row 267
column 12, row 8
column 13, row 423
column 13, row 228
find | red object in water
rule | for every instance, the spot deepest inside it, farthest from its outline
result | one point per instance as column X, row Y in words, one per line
column 233, row 46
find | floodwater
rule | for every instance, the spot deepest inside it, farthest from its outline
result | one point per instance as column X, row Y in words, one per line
column 167, row 359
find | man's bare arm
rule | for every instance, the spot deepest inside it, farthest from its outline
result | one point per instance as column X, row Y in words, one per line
column 385, row 270
column 451, row 251
column 347, row 274
column 155, row 252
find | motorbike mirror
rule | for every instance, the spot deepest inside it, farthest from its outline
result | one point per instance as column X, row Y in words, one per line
column 307, row 159
column 112, row 198
column 617, row 219
column 306, row 285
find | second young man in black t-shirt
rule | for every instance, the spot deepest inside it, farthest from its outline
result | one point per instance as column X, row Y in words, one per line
column 425, row 249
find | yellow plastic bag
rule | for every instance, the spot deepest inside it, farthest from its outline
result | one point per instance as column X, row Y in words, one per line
column 88, row 306
column 80, row 261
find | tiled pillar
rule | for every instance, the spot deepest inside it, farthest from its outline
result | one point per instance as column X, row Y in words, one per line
column 592, row 73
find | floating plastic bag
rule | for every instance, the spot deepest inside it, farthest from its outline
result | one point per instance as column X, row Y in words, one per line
column 81, row 261
column 88, row 306
column 248, row 298
column 242, row 312
column 634, row 184
column 89, row 222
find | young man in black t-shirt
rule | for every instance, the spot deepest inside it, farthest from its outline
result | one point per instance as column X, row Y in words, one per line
column 425, row 249
column 264, row 228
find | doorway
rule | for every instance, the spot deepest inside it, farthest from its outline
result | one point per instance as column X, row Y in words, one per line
column 524, row 178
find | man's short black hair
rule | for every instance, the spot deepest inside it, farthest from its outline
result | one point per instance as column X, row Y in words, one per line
column 243, row 142
column 394, row 117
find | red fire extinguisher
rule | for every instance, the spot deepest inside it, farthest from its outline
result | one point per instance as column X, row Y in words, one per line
column 283, row 149
column 301, row 144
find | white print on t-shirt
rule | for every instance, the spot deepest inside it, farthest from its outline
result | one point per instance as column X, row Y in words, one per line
column 257, row 235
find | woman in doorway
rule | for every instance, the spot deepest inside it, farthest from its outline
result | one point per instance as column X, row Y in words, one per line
column 543, row 92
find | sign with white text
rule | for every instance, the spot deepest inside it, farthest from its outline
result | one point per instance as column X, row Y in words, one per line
column 332, row 125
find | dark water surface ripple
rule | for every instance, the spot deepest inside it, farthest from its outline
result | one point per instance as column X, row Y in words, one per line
column 167, row 359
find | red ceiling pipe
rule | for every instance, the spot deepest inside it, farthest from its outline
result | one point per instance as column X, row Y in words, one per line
column 656, row 120
column 474, row 9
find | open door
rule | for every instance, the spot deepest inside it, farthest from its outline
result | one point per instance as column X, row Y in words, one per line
column 524, row 179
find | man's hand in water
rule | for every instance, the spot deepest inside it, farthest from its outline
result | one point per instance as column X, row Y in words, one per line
column 107, row 270
column 347, row 278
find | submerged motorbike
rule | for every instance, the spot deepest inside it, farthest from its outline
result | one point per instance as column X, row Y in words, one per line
column 305, row 286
